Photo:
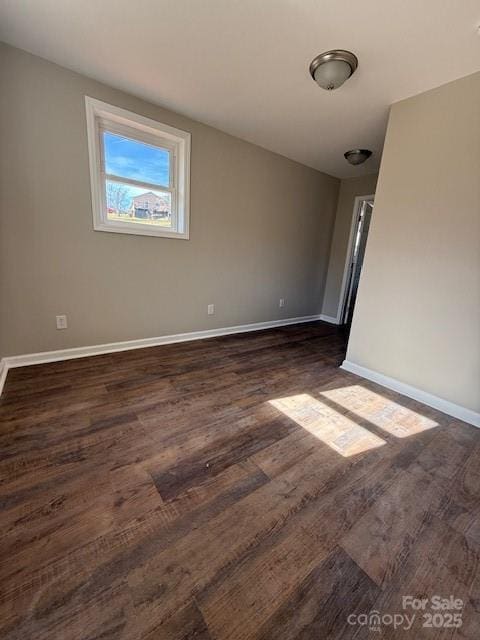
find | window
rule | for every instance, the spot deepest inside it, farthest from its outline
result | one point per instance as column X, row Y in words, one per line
column 139, row 173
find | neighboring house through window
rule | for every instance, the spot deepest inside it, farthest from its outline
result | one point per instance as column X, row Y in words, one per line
column 139, row 171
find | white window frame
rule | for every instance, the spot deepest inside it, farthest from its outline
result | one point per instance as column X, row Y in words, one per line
column 102, row 116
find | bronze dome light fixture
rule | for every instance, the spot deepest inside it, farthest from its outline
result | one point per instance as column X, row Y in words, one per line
column 357, row 156
column 332, row 68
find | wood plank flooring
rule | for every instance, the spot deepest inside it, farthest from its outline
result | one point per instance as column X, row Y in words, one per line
column 235, row 488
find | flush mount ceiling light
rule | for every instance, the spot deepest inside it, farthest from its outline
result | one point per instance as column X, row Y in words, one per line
column 332, row 68
column 357, row 156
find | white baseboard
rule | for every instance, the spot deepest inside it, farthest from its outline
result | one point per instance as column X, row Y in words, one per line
column 28, row 359
column 329, row 319
column 451, row 409
column 3, row 374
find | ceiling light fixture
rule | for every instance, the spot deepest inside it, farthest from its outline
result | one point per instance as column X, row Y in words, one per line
column 357, row 156
column 332, row 68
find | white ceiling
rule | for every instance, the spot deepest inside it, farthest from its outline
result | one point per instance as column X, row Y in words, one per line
column 242, row 65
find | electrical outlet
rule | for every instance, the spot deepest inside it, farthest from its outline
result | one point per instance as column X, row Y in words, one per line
column 61, row 322
column 211, row 309
column 281, row 302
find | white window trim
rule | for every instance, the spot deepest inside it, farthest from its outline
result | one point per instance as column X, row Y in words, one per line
column 150, row 131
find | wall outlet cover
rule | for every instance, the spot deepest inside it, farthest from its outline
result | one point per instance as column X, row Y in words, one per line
column 61, row 322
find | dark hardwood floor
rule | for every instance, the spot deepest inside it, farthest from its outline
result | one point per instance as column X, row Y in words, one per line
column 232, row 488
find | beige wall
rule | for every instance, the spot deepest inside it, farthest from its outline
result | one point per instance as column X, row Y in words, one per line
column 260, row 227
column 417, row 317
column 350, row 188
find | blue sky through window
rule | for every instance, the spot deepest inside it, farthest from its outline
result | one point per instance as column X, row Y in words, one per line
column 136, row 160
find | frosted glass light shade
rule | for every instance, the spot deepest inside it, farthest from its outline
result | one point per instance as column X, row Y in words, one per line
column 332, row 74
column 331, row 68
column 357, row 156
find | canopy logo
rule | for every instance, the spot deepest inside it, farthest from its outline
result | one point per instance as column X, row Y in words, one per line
column 375, row 620
column 435, row 612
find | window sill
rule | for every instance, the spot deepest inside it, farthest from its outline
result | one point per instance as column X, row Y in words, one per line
column 141, row 231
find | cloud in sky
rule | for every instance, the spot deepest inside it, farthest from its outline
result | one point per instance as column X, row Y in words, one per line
column 136, row 160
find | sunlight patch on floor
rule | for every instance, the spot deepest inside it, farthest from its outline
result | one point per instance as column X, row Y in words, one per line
column 382, row 412
column 337, row 431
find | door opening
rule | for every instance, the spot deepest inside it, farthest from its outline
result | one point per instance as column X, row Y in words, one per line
column 358, row 242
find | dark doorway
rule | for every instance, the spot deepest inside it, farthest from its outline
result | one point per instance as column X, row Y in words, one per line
column 359, row 243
